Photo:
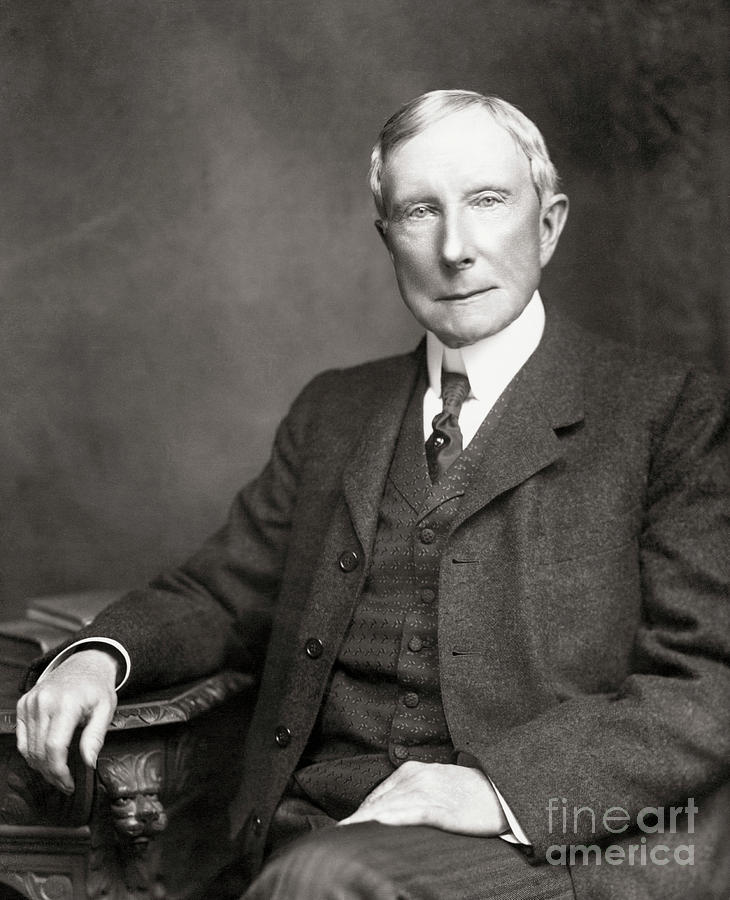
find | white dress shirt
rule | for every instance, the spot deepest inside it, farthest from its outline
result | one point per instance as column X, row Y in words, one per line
column 490, row 365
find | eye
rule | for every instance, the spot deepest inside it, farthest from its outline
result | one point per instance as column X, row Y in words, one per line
column 419, row 212
column 486, row 201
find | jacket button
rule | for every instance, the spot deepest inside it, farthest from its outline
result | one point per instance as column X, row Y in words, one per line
column 313, row 648
column 256, row 824
column 415, row 644
column 428, row 595
column 411, row 699
column 428, row 535
column 400, row 752
column 348, row 561
column 282, row 736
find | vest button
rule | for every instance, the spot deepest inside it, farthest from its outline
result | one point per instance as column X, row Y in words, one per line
column 256, row 823
column 400, row 752
column 348, row 561
column 415, row 644
column 427, row 595
column 411, row 699
column 313, row 648
column 282, row 736
column 428, row 535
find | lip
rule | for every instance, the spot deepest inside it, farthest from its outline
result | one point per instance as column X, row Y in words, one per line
column 465, row 295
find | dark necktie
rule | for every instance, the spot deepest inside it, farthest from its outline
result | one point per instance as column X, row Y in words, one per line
column 446, row 443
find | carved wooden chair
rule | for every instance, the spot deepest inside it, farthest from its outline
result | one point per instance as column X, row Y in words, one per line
column 150, row 823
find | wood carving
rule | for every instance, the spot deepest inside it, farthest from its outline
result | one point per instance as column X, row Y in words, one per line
column 133, row 781
column 116, row 868
column 27, row 799
column 39, row 887
column 7, row 721
column 192, row 702
column 106, row 839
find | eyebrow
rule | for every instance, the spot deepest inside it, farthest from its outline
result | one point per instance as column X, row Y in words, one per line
column 504, row 191
column 398, row 209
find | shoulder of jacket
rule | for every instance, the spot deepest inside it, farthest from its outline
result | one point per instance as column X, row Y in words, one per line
column 637, row 383
column 354, row 382
column 613, row 362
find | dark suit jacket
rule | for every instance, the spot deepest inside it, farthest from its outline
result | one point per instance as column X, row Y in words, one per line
column 583, row 620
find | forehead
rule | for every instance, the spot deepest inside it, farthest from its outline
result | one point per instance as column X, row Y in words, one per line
column 454, row 151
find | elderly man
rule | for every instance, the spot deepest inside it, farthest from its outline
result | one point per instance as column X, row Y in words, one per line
column 483, row 583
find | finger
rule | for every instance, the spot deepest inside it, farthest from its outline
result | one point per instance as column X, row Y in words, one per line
column 42, row 758
column 373, row 808
column 387, row 791
column 361, row 814
column 406, row 815
column 92, row 737
column 21, row 729
column 364, row 812
column 354, row 818
column 392, row 814
column 382, row 790
column 58, row 739
column 36, row 721
column 394, row 781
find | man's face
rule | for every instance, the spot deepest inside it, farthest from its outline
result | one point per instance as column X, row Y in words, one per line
column 465, row 229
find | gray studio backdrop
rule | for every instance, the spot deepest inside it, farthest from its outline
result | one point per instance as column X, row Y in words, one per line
column 186, row 235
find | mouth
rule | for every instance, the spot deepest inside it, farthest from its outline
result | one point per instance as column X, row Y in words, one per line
column 465, row 295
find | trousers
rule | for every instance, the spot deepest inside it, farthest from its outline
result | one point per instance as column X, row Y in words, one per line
column 313, row 859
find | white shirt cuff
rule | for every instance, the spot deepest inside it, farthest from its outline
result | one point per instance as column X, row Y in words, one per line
column 114, row 647
column 515, row 835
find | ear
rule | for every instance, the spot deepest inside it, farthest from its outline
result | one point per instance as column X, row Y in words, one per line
column 553, row 216
column 382, row 230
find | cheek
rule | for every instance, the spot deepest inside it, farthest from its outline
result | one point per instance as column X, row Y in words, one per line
column 525, row 246
column 518, row 259
column 414, row 261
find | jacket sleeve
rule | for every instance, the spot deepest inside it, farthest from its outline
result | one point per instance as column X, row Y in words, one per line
column 665, row 735
column 214, row 611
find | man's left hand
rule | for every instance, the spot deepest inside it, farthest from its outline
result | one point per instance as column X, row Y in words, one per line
column 452, row 798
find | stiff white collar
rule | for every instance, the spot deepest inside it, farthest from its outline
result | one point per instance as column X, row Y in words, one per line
column 491, row 363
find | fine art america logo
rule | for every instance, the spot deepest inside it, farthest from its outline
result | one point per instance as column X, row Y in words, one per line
column 562, row 821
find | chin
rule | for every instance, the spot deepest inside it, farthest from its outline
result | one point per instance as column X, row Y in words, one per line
column 461, row 327
column 462, row 337
column 454, row 341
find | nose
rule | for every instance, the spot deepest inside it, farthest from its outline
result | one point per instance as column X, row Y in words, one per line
column 457, row 249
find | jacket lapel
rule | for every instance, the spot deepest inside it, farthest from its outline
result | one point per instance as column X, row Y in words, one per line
column 546, row 396
column 367, row 469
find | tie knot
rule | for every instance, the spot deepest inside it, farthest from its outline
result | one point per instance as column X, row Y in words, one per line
column 454, row 391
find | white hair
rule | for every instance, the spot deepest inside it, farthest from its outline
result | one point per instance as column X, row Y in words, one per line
column 428, row 108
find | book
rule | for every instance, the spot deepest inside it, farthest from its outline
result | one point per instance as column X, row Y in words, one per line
column 48, row 622
column 22, row 640
column 70, row 611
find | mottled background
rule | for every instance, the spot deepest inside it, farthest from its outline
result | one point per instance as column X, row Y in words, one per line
column 186, row 234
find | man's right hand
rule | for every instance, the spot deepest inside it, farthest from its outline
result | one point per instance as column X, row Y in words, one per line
column 80, row 692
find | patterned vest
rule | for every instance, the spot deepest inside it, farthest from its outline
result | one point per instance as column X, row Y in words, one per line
column 383, row 704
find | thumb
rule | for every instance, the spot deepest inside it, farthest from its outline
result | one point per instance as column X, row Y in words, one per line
column 92, row 737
